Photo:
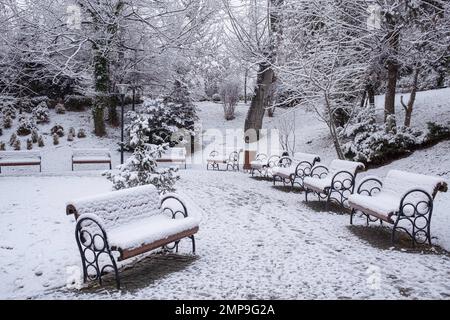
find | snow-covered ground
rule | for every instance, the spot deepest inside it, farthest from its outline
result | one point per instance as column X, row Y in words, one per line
column 255, row 241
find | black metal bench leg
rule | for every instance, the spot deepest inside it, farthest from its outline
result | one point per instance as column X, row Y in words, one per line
column 351, row 216
column 193, row 244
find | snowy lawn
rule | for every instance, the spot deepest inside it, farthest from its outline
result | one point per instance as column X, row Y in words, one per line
column 255, row 241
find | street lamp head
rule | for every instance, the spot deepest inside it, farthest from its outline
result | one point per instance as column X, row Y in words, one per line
column 122, row 89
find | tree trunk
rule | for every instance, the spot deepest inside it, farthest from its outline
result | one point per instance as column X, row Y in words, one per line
column 371, row 95
column 101, row 75
column 409, row 107
column 245, row 86
column 391, row 89
column 255, row 116
column 392, row 67
column 265, row 78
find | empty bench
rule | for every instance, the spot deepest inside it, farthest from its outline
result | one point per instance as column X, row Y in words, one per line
column 128, row 222
column 404, row 200
column 292, row 171
column 334, row 183
column 229, row 158
column 263, row 162
column 91, row 156
column 174, row 155
column 20, row 159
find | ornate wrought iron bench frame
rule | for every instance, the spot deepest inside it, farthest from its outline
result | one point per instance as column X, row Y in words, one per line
column 92, row 242
column 419, row 220
column 272, row 162
column 232, row 163
column 342, row 186
column 302, row 170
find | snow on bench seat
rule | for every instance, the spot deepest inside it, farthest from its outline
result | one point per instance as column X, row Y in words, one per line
column 132, row 222
column 20, row 158
column 149, row 230
column 91, row 156
column 397, row 184
column 335, row 183
column 321, row 185
column 300, row 160
column 224, row 156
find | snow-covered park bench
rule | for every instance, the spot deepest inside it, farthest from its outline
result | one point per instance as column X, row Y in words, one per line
column 294, row 170
column 333, row 183
column 263, row 162
column 226, row 157
column 174, row 155
column 91, row 156
column 124, row 224
column 404, row 199
column 20, row 158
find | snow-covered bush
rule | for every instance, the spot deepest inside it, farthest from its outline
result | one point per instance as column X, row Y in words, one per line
column 26, row 126
column 374, row 143
column 72, row 131
column 77, row 103
column 41, row 100
column 16, row 145
column 34, row 136
column 41, row 113
column 58, row 130
column 230, row 91
column 2, row 146
column 55, row 139
column 81, row 134
column 7, row 122
column 437, row 132
column 25, row 105
column 60, row 109
column 13, row 139
column 216, row 98
column 161, row 120
column 141, row 168
column 29, row 144
column 41, row 143
column 9, row 111
column 70, row 137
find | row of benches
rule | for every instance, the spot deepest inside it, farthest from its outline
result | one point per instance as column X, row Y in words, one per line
column 123, row 224
column 403, row 199
column 80, row 157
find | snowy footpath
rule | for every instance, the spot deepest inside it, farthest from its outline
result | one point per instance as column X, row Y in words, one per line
column 256, row 241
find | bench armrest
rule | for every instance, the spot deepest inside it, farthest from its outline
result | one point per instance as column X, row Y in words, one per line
column 319, row 172
column 370, row 185
column 303, row 169
column 343, row 180
column 174, row 212
column 416, row 208
column 284, row 162
column 261, row 157
column 273, row 161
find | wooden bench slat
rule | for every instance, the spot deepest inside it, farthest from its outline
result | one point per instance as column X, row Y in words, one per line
column 130, row 253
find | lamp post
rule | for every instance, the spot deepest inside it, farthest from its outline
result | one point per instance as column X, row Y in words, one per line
column 122, row 89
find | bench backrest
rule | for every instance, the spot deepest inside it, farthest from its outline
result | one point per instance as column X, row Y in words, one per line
column 344, row 165
column 400, row 182
column 20, row 154
column 174, row 153
column 91, row 153
column 119, row 207
column 311, row 158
